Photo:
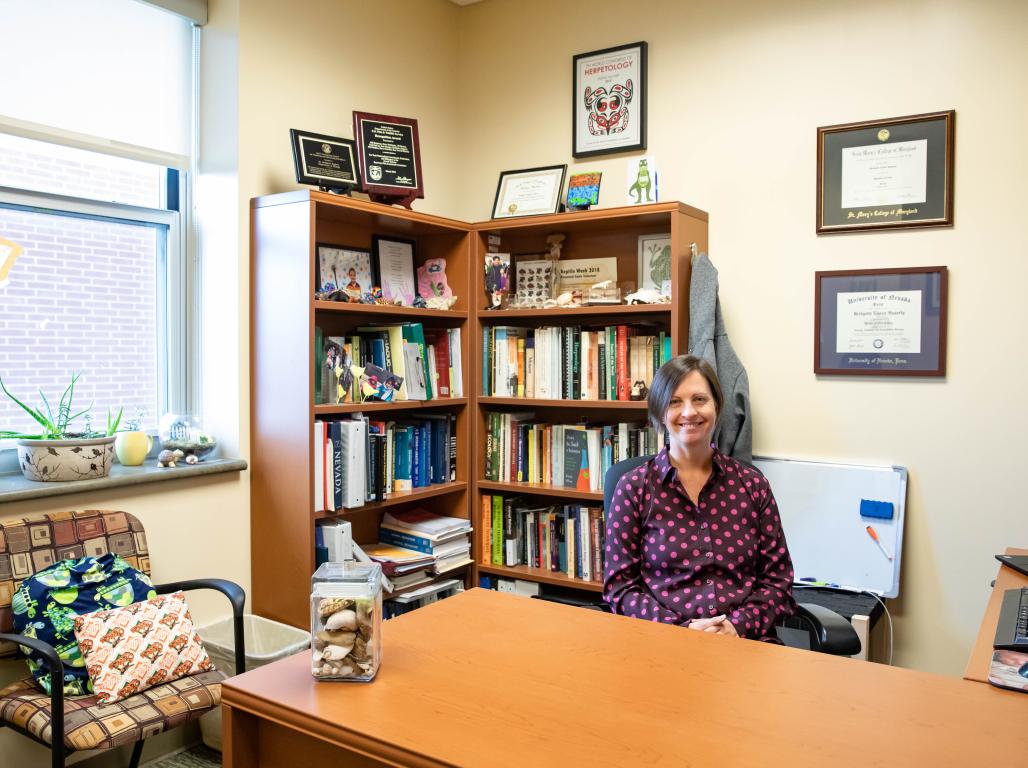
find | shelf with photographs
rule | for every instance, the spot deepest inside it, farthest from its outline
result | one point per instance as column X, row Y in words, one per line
column 292, row 408
column 554, row 389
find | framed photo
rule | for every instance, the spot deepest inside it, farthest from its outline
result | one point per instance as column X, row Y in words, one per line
column 343, row 273
column 534, row 278
column 394, row 269
column 655, row 263
column 529, row 192
column 497, row 279
column 881, row 322
column 609, row 101
column 886, row 174
column 327, row 162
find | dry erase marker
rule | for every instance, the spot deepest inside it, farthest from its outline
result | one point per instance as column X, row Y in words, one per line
column 871, row 532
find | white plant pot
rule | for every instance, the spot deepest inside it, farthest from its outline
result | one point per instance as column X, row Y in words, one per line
column 62, row 460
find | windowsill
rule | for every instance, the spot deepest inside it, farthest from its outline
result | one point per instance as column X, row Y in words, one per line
column 15, row 487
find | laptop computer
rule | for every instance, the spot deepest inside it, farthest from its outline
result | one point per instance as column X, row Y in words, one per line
column 1018, row 562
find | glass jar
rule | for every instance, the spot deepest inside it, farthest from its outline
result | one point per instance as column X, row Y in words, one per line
column 183, row 432
column 346, row 621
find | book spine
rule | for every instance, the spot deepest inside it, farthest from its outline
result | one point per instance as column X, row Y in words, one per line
column 497, row 529
column 601, row 356
column 623, row 383
column 509, row 540
column 452, row 440
column 337, row 465
column 576, row 363
column 486, row 529
column 530, row 367
column 522, row 366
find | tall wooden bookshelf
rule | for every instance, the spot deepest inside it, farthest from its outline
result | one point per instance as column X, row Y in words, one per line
column 589, row 234
column 285, row 229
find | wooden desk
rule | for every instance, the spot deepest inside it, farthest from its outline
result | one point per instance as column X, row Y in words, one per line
column 488, row 679
column 981, row 655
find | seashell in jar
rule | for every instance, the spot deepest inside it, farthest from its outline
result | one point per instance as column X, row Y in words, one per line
column 345, row 619
column 331, row 605
column 341, row 637
column 336, row 652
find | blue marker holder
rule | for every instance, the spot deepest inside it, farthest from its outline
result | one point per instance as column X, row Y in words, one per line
column 879, row 510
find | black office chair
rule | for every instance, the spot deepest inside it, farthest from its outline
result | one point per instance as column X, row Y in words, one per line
column 814, row 626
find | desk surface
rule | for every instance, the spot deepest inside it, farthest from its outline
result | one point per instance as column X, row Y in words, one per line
column 490, row 679
column 981, row 655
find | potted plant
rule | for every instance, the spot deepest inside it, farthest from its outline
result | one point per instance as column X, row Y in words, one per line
column 56, row 453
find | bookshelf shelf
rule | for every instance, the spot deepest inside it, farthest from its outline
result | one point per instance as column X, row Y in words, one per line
column 522, row 402
column 612, row 233
column 622, row 311
column 285, row 318
column 399, row 497
column 540, row 489
column 541, row 576
column 400, row 406
column 387, row 311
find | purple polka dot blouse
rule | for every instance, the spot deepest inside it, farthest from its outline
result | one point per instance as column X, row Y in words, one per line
column 669, row 559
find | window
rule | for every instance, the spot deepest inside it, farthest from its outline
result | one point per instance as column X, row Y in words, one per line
column 103, row 285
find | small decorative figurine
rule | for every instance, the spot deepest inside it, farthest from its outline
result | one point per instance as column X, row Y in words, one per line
column 168, row 458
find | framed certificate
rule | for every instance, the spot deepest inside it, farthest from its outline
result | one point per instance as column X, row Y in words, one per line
column 394, row 269
column 886, row 174
column 327, row 162
column 609, row 101
column 884, row 322
column 529, row 192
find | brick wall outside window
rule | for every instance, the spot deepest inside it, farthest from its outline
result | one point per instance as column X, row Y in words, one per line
column 81, row 298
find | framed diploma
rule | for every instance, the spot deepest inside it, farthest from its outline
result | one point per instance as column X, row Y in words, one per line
column 394, row 269
column 327, row 162
column 389, row 153
column 529, row 192
column 609, row 101
column 884, row 322
column 886, row 174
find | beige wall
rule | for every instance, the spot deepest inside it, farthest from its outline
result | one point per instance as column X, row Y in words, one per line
column 736, row 93
column 309, row 64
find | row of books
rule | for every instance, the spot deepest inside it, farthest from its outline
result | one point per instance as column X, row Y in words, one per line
column 519, row 449
column 567, row 539
column 359, row 460
column 402, row 361
column 571, row 363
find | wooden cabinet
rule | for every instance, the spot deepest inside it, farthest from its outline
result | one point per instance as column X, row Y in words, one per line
column 285, row 229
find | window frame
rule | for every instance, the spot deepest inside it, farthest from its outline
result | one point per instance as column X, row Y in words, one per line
column 178, row 295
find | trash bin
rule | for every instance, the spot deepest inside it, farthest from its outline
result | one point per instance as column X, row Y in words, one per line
column 266, row 641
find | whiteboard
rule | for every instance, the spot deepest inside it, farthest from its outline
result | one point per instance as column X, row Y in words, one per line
column 820, row 508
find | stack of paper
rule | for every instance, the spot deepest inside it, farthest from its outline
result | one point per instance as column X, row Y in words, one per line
column 446, row 540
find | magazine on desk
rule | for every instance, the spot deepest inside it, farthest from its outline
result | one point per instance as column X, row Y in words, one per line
column 1009, row 669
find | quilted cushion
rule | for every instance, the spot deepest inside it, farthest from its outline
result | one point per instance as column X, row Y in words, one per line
column 46, row 604
column 131, row 649
column 88, row 725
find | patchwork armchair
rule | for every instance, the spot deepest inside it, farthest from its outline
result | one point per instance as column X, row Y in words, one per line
column 67, row 724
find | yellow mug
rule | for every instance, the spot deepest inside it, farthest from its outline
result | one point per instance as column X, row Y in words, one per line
column 132, row 447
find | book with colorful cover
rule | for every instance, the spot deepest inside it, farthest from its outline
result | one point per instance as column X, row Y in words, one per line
column 576, row 458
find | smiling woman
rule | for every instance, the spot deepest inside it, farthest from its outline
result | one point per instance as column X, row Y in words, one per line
column 693, row 536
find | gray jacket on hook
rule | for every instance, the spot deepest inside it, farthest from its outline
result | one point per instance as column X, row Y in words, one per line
column 709, row 339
